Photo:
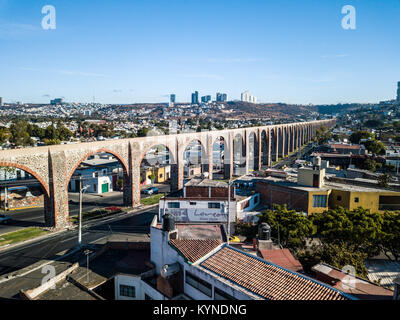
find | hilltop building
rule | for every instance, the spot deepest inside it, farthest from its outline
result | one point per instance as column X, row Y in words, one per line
column 398, row 91
column 247, row 97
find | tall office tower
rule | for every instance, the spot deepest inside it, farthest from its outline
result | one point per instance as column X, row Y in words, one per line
column 172, row 98
column 247, row 97
column 1, row 101
column 398, row 91
column 205, row 99
column 221, row 97
column 195, row 98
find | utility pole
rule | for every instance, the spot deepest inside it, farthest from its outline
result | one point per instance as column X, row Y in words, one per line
column 80, row 213
column 87, row 252
column 229, row 211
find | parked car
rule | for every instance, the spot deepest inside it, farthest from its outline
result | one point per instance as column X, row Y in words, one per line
column 4, row 219
column 152, row 190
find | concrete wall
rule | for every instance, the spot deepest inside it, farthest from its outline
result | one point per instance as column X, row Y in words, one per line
column 53, row 166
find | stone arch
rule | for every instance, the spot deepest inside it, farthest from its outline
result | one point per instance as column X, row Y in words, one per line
column 91, row 153
column 44, row 185
column 172, row 159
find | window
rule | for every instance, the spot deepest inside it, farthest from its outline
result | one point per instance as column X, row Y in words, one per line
column 147, row 297
column 319, row 201
column 214, row 205
column 175, row 205
column 356, row 199
column 95, row 187
column 198, row 283
column 339, row 198
column 192, row 203
column 221, row 295
column 127, row 291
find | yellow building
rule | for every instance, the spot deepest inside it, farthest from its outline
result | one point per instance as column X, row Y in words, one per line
column 161, row 174
column 375, row 200
column 312, row 193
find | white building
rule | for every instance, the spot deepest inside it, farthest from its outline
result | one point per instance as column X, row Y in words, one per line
column 99, row 173
column 247, row 97
column 194, row 262
column 204, row 200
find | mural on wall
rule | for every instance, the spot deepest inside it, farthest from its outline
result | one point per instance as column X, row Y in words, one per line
column 198, row 215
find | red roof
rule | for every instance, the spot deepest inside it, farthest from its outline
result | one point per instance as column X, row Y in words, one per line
column 344, row 146
column 267, row 280
column 283, row 258
column 195, row 249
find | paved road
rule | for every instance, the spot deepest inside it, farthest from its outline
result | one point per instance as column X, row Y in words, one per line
column 289, row 161
column 136, row 223
column 35, row 216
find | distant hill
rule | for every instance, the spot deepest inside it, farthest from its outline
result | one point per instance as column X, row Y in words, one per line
column 269, row 110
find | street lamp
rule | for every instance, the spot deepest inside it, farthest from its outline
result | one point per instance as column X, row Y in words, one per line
column 81, row 190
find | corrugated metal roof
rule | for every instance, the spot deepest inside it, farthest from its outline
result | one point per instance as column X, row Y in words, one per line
column 383, row 272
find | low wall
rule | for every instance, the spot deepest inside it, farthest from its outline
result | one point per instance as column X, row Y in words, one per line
column 34, row 293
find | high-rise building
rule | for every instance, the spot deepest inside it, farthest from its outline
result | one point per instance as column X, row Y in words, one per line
column 195, row 97
column 247, row 97
column 221, row 97
column 205, row 99
column 56, row 101
column 172, row 98
column 398, row 91
column 1, row 101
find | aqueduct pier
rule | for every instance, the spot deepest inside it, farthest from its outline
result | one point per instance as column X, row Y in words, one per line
column 53, row 166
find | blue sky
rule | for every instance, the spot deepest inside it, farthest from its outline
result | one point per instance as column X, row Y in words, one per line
column 292, row 51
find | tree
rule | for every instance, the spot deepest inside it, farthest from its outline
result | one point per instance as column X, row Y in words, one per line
column 5, row 134
column 142, row 132
column 375, row 146
column 337, row 255
column 390, row 236
column 383, row 180
column 51, row 133
column 19, row 133
column 322, row 135
column 358, row 135
column 294, row 227
column 358, row 228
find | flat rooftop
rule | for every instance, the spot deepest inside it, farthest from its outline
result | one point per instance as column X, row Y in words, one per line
column 291, row 182
column 198, row 182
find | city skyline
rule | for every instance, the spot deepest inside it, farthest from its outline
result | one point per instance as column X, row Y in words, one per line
column 296, row 53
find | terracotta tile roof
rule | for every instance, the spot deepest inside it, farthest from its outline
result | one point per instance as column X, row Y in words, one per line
column 195, row 249
column 267, row 280
column 283, row 258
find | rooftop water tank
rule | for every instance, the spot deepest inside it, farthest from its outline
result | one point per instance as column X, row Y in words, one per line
column 169, row 270
column 264, row 231
column 168, row 222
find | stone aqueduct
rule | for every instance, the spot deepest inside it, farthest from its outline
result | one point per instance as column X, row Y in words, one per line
column 53, row 166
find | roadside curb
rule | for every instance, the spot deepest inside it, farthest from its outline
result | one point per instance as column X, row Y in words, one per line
column 49, row 235
column 73, row 227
